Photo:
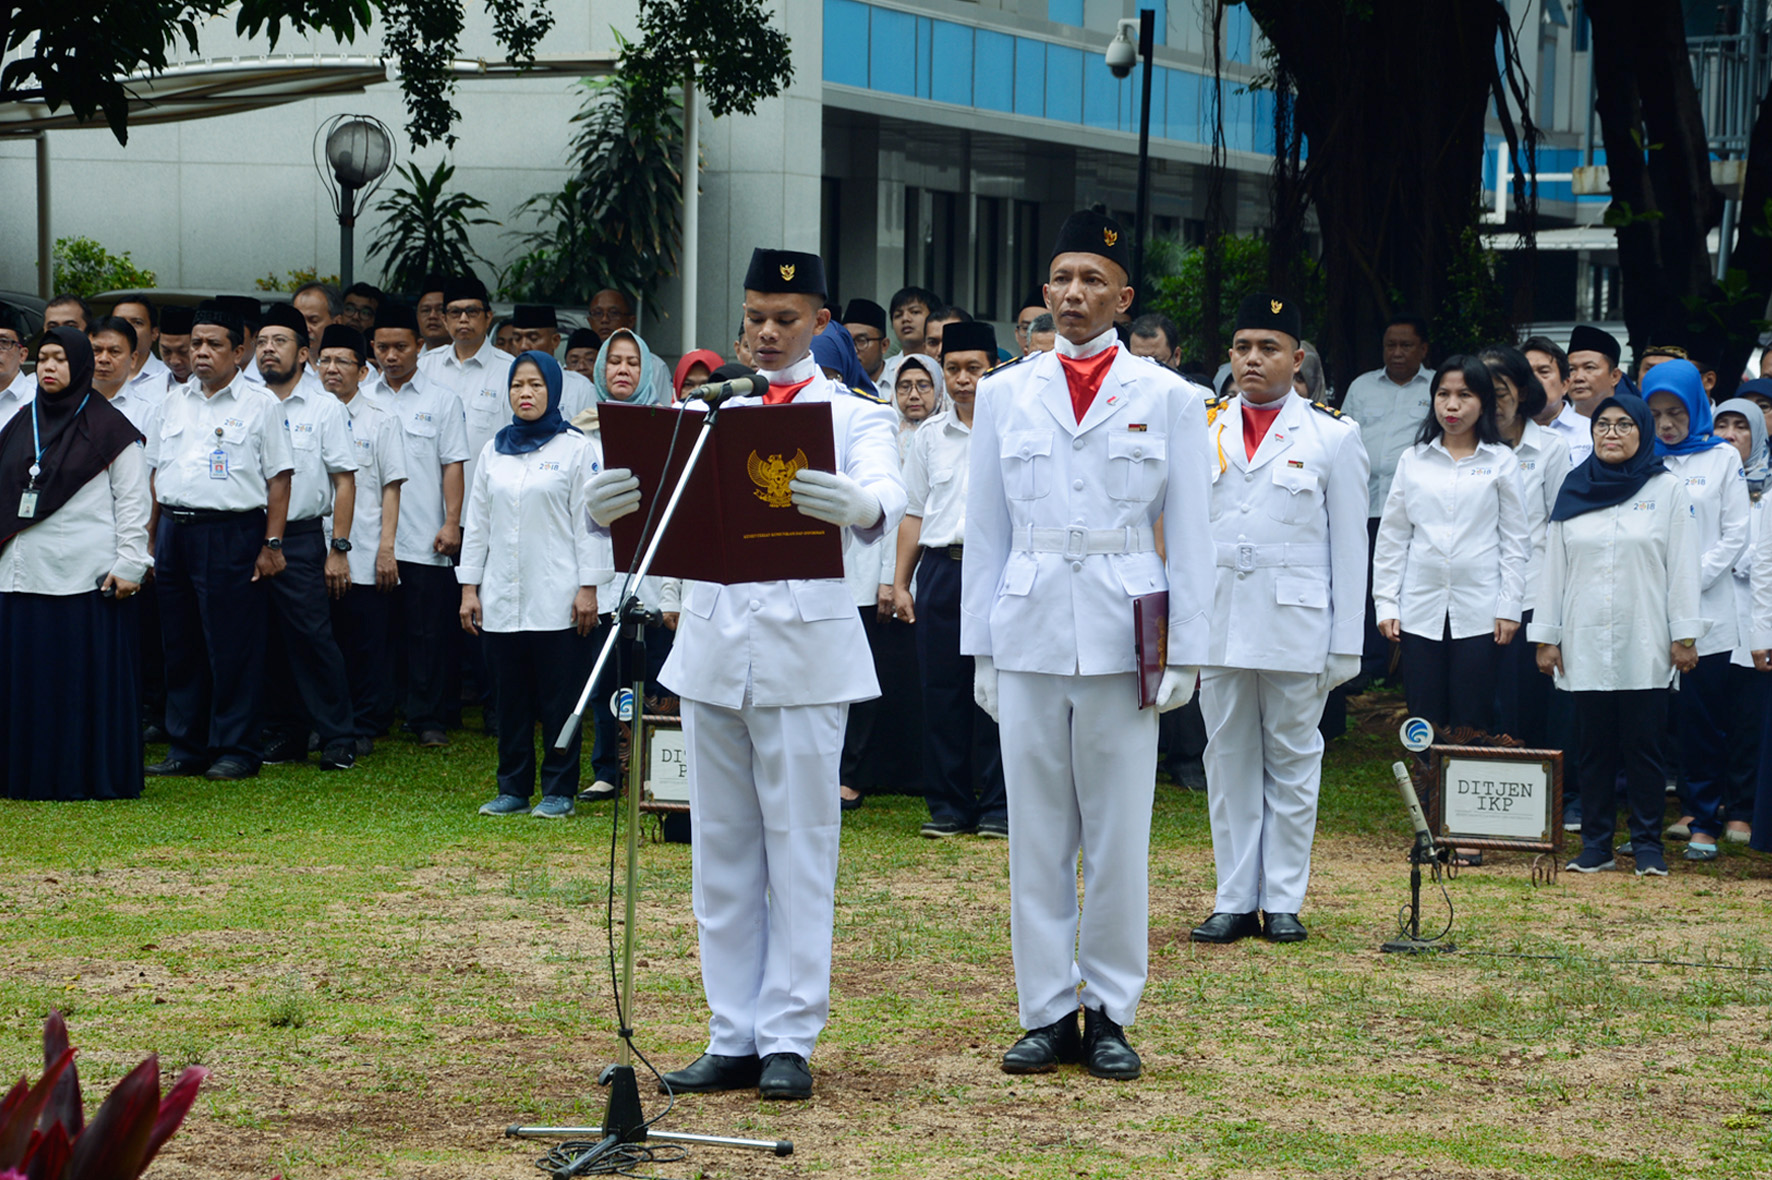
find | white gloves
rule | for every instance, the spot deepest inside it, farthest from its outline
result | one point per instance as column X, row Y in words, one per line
column 834, row 498
column 984, row 685
column 1177, row 688
column 1341, row 669
column 612, row 494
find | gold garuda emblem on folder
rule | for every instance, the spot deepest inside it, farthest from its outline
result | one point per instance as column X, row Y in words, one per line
column 772, row 476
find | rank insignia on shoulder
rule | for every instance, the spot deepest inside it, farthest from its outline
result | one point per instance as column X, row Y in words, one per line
column 1321, row 408
column 1213, row 405
column 867, row 395
column 1009, row 364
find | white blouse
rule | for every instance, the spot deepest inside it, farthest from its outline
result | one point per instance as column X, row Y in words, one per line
column 102, row 529
column 1544, row 464
column 1745, row 606
column 1620, row 585
column 1452, row 543
column 525, row 538
column 1718, row 488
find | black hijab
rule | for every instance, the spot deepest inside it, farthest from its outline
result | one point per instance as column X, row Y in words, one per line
column 1595, row 485
column 81, row 434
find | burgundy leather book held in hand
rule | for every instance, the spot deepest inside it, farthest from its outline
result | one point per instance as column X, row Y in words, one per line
column 736, row 522
column 1150, row 636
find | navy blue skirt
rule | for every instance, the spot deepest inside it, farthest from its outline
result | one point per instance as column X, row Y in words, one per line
column 70, row 697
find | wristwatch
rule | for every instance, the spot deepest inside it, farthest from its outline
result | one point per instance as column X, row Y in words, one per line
column 341, row 545
column 274, row 544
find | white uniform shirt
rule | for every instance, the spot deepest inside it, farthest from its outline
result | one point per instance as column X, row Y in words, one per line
column 483, row 383
column 935, row 479
column 1717, row 486
column 869, row 565
column 1544, row 464
column 433, row 433
column 381, row 460
column 320, row 443
column 1452, row 544
column 1575, row 431
column 218, row 453
column 152, row 382
column 577, row 394
column 102, row 529
column 1620, row 585
column 1760, row 581
column 1289, row 527
column 1389, row 416
column 525, row 543
column 141, row 409
column 1755, row 554
column 17, row 395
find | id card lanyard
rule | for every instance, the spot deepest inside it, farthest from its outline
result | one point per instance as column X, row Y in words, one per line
column 27, row 501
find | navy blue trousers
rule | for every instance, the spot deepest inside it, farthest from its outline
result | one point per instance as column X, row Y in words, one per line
column 362, row 623
column 1621, row 735
column 212, row 621
column 536, row 677
column 1701, row 720
column 962, row 757
column 430, row 607
column 305, row 674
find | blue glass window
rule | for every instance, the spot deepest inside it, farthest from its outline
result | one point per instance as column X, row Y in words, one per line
column 1184, row 101
column 1064, row 83
column 892, row 51
column 1030, row 77
column 951, row 63
column 846, row 42
column 1065, row 12
column 993, row 71
column 925, row 49
column 1101, row 94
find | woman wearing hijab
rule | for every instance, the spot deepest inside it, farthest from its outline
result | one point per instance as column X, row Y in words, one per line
column 73, row 551
column 834, row 350
column 919, row 392
column 626, row 370
column 528, row 582
column 1739, row 422
column 1712, row 471
column 1623, row 522
column 694, row 370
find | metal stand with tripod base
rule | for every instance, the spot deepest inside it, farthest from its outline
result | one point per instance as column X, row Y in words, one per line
column 1424, row 852
column 610, row 1146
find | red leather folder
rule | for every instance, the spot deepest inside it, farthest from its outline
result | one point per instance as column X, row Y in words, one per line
column 1150, row 636
column 735, row 522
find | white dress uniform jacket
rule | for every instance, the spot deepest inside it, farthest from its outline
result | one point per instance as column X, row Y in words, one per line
column 1717, row 486
column 1389, row 415
column 218, row 453
column 1452, row 543
column 1620, row 585
column 1289, row 529
column 524, row 541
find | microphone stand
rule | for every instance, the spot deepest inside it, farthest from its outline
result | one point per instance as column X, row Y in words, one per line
column 1424, row 852
column 623, row 1120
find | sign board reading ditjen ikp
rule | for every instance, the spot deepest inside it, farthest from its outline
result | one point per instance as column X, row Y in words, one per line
column 1497, row 797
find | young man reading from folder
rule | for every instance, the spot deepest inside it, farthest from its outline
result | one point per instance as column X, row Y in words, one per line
column 1076, row 456
column 767, row 671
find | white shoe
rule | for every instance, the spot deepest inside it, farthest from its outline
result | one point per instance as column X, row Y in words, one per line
column 598, row 791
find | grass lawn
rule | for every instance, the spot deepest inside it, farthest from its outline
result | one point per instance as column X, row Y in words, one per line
column 381, row 981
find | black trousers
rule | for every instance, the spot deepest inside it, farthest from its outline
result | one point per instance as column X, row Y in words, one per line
column 858, row 726
column 212, row 623
column 304, row 673
column 1747, row 702
column 1375, row 657
column 536, row 677
column 962, row 754
column 430, row 609
column 1523, row 693
column 1701, row 729
column 153, row 655
column 618, row 673
column 1451, row 682
column 1621, row 736
column 362, row 624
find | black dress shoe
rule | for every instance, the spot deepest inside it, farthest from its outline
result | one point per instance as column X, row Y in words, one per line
column 1105, row 1050
column 785, row 1076
column 710, row 1073
column 281, row 748
column 432, row 738
column 1045, row 1049
column 1285, row 928
column 229, row 770
column 1222, row 927
column 340, row 755
column 177, row 768
column 157, row 733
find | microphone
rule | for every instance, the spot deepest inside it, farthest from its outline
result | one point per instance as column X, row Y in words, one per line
column 714, row 393
column 1406, row 788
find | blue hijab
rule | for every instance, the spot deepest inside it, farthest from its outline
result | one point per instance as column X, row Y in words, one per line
column 1595, row 485
column 520, row 437
column 1681, row 379
column 834, row 349
column 647, row 392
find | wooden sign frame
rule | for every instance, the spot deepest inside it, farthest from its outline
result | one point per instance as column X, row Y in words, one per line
column 1481, row 747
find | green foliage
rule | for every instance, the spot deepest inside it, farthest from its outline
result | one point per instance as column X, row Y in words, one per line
column 1176, row 276
column 84, row 267
column 82, row 56
column 617, row 223
column 426, row 229
column 294, row 279
column 737, row 56
column 1474, row 313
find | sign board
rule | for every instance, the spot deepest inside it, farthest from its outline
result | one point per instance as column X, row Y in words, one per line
column 667, row 763
column 1497, row 797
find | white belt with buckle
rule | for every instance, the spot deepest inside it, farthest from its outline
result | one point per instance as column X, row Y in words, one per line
column 1246, row 556
column 1077, row 542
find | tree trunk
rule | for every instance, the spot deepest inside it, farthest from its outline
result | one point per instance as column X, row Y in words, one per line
column 1752, row 255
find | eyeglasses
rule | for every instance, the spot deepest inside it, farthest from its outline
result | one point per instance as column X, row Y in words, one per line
column 8, row 345
column 1615, row 428
column 1024, row 327
column 916, row 387
column 865, row 338
column 464, row 313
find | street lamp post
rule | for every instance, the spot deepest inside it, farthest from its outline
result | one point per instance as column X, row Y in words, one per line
column 1122, row 53
column 358, row 151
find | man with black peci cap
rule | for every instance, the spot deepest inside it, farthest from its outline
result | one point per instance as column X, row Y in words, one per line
column 305, row 686
column 1594, row 374
column 866, row 323
column 1289, row 500
column 766, row 671
column 221, row 466
column 1076, row 457
column 175, row 342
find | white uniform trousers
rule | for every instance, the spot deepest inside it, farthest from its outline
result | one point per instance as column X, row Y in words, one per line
column 1080, row 765
column 763, row 797
column 1264, row 763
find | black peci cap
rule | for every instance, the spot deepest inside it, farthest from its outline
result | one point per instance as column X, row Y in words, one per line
column 865, row 311
column 1089, row 232
column 1265, row 310
column 284, row 315
column 785, row 272
column 394, row 314
column 464, row 287
column 176, row 320
column 582, row 338
column 246, row 309
column 344, row 336
column 534, row 315
column 212, row 311
column 1587, row 338
column 971, row 336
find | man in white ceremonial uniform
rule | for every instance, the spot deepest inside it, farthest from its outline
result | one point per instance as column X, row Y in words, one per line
column 1076, row 457
column 1289, row 499
column 767, row 671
